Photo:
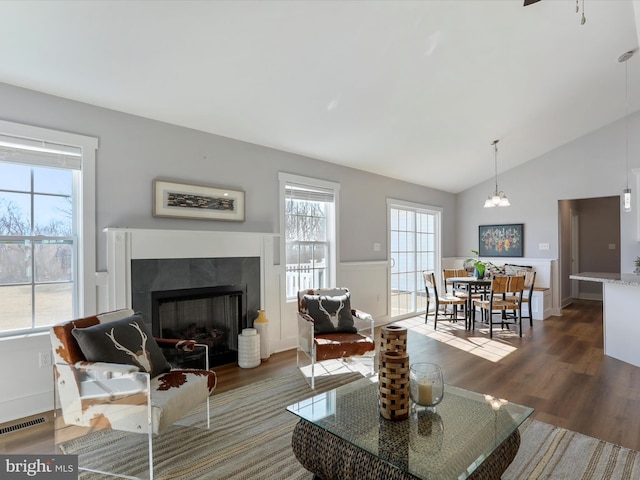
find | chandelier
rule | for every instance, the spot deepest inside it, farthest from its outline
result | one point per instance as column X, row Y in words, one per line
column 498, row 199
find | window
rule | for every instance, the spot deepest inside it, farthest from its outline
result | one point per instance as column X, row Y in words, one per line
column 42, row 252
column 309, row 230
column 414, row 233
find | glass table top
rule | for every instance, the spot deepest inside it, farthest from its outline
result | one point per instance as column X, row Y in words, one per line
column 450, row 443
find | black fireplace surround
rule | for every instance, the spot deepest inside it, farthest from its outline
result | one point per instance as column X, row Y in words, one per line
column 216, row 277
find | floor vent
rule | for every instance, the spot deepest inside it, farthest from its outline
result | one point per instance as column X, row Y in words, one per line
column 20, row 426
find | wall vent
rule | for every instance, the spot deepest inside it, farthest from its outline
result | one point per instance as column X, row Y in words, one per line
column 19, row 426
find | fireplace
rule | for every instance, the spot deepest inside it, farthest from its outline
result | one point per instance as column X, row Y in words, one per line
column 224, row 280
column 213, row 316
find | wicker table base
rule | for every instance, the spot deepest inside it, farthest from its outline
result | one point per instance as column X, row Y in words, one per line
column 331, row 458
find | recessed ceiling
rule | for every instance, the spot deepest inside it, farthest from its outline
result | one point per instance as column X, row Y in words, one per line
column 411, row 90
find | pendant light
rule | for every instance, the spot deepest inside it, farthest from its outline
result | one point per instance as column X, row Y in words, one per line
column 498, row 199
column 627, row 191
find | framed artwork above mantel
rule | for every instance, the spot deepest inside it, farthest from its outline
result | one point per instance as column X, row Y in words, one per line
column 501, row 240
column 183, row 200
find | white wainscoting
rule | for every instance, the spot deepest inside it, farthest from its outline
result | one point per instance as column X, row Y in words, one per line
column 368, row 283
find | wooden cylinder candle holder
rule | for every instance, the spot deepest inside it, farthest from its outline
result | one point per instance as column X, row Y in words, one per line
column 393, row 381
column 393, row 338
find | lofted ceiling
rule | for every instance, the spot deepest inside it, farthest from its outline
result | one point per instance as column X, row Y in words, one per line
column 415, row 90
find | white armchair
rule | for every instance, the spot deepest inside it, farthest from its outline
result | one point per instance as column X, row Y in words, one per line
column 140, row 395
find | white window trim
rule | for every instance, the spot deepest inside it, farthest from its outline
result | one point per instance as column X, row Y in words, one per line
column 283, row 179
column 86, row 209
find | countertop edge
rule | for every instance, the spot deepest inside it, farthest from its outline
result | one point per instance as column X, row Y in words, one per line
column 606, row 277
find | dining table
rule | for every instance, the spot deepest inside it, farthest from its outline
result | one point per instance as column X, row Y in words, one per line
column 474, row 285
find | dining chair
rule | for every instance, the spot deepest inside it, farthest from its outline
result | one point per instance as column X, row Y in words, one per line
column 529, row 282
column 505, row 296
column 461, row 291
column 448, row 273
column 440, row 301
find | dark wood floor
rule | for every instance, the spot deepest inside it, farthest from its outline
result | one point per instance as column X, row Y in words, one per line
column 557, row 367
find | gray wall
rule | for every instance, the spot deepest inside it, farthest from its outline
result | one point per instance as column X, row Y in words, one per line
column 133, row 151
column 591, row 166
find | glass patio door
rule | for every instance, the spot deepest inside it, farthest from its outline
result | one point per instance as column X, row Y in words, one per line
column 414, row 247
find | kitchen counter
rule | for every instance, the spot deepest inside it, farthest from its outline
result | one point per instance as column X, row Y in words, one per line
column 621, row 308
column 604, row 277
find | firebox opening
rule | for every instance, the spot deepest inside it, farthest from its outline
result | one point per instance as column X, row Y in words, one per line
column 210, row 315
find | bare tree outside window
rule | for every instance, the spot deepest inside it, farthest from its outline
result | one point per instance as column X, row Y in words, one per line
column 36, row 247
column 307, row 242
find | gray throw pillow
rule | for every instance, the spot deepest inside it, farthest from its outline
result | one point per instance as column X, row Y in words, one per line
column 330, row 314
column 127, row 341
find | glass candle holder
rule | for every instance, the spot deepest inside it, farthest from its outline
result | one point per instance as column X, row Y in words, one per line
column 426, row 386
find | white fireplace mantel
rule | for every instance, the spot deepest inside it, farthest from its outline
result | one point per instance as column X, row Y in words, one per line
column 126, row 244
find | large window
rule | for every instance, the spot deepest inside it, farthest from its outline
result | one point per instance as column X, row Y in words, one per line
column 42, row 257
column 414, row 240
column 309, row 222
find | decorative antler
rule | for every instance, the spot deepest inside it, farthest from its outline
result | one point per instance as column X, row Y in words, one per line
column 334, row 318
column 142, row 356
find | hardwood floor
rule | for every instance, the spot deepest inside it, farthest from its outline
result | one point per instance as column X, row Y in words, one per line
column 557, row 367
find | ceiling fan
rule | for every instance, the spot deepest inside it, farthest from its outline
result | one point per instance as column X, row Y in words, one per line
column 583, row 20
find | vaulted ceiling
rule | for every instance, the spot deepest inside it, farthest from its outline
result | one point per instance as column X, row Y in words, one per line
column 415, row 90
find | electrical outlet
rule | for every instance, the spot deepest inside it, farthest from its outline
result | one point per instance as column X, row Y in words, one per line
column 45, row 359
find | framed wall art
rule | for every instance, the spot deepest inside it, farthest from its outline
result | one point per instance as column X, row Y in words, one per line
column 501, row 240
column 183, row 200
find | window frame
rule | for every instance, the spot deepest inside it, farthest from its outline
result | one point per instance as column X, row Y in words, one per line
column 84, row 211
column 332, row 224
column 415, row 208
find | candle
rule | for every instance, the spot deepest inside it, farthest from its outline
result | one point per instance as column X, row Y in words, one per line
column 425, row 392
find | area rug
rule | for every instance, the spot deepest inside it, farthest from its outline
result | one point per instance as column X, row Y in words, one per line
column 250, row 439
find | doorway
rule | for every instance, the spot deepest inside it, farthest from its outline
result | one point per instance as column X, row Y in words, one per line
column 414, row 247
column 589, row 242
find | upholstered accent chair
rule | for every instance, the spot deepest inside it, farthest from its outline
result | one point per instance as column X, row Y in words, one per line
column 506, row 296
column 109, row 372
column 440, row 301
column 329, row 329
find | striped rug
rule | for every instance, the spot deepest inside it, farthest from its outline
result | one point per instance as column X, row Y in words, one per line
column 549, row 452
column 250, row 439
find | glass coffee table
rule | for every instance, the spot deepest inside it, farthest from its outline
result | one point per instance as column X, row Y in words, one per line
column 342, row 435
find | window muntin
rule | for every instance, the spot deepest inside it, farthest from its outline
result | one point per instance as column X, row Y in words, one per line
column 38, row 246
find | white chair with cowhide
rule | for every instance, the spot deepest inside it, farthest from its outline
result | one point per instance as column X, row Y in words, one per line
column 111, row 373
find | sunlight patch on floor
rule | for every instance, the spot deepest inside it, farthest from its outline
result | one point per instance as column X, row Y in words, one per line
column 339, row 367
column 493, row 350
